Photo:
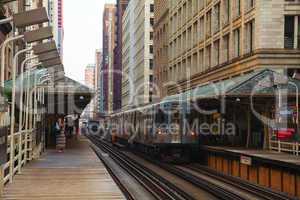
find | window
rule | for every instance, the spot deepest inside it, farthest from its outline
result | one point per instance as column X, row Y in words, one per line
column 184, row 13
column 201, row 59
column 151, row 63
column 289, row 27
column 217, row 18
column 190, row 11
column 298, row 32
column 208, row 24
column 195, row 33
column 151, row 78
column 151, row 35
column 236, row 41
column 249, row 4
column 225, row 48
column 208, row 57
column 195, row 2
column 249, row 37
column 151, row 48
column 201, row 29
column 195, row 63
column 216, row 54
column 189, row 39
column 151, row 7
column 226, row 12
column 237, row 8
column 152, row 21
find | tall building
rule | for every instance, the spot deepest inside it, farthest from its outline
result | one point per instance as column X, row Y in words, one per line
column 215, row 40
column 89, row 79
column 55, row 12
column 161, row 42
column 137, row 53
column 107, row 71
column 89, row 76
column 117, row 93
column 98, row 64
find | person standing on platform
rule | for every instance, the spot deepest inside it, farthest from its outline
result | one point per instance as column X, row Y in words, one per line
column 61, row 137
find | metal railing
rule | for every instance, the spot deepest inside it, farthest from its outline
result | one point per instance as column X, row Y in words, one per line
column 287, row 147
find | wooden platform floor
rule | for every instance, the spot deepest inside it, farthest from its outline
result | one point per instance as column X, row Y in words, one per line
column 263, row 154
column 75, row 174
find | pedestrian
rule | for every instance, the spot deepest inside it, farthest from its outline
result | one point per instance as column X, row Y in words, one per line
column 60, row 137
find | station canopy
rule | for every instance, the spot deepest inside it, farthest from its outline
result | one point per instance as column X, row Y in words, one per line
column 260, row 83
column 64, row 86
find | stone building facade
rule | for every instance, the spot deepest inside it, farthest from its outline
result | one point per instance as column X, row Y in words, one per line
column 161, row 27
column 213, row 40
column 121, row 7
column 137, row 53
column 107, row 69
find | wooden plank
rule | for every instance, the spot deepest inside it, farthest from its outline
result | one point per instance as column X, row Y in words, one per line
column 235, row 168
column 225, row 166
column 244, row 171
column 298, row 185
column 276, row 179
column 289, row 183
column 213, row 162
column 264, row 176
column 219, row 164
column 75, row 174
column 253, row 174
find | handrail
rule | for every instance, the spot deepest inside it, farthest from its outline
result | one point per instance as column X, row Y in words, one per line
column 288, row 147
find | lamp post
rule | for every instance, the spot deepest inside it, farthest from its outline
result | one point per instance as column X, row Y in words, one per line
column 12, row 122
column 21, row 115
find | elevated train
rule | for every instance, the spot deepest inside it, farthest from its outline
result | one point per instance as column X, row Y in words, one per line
column 159, row 130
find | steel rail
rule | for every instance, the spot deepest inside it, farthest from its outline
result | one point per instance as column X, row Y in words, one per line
column 156, row 185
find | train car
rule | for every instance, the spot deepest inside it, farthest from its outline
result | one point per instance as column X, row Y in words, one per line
column 159, row 130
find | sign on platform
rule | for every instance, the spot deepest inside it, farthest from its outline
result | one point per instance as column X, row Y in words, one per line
column 246, row 160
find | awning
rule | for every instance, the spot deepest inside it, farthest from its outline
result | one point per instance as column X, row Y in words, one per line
column 257, row 83
column 66, row 88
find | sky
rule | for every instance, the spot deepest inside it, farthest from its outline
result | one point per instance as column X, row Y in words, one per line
column 82, row 34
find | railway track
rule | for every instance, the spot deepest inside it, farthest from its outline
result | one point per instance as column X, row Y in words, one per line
column 221, row 186
column 158, row 187
column 262, row 192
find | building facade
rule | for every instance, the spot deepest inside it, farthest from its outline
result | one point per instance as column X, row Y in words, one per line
column 117, row 93
column 137, row 53
column 213, row 40
column 161, row 42
column 98, row 64
column 55, row 12
column 89, row 80
column 107, row 71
